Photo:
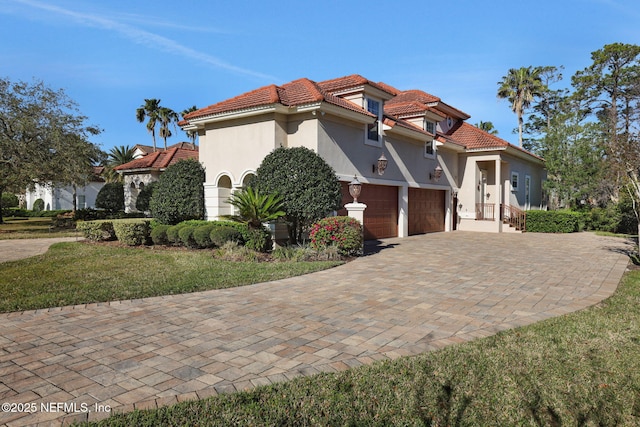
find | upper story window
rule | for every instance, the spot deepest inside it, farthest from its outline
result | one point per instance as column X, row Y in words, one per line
column 373, row 129
column 430, row 127
column 429, row 150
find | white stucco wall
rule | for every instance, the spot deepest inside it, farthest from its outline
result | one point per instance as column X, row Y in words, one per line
column 56, row 197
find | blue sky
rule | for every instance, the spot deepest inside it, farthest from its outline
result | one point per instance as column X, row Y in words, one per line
column 110, row 55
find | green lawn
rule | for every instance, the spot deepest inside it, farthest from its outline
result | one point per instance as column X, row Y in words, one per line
column 31, row 228
column 77, row 273
column 581, row 369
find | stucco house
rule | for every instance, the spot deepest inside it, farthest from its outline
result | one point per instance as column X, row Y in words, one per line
column 147, row 168
column 441, row 173
column 56, row 196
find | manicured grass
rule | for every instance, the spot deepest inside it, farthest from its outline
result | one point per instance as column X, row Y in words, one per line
column 578, row 369
column 31, row 228
column 78, row 273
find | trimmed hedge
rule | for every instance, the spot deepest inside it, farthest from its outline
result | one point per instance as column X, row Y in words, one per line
column 132, row 232
column 186, row 236
column 223, row 233
column 159, row 234
column 553, row 221
column 97, row 231
column 202, row 235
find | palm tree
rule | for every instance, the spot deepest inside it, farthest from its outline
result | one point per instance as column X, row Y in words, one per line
column 191, row 134
column 255, row 208
column 117, row 156
column 487, row 127
column 520, row 86
column 167, row 117
column 150, row 110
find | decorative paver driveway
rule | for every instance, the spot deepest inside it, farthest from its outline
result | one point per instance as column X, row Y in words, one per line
column 414, row 295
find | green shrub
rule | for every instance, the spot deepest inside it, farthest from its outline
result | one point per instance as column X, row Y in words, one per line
column 202, row 235
column 132, row 232
column 38, row 205
column 97, row 231
column 222, row 234
column 89, row 214
column 341, row 231
column 9, row 200
column 144, row 197
column 553, row 221
column 172, row 234
column 186, row 236
column 258, row 239
column 111, row 197
column 159, row 234
column 179, row 194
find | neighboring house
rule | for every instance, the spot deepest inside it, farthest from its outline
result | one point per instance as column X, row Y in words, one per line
column 441, row 173
column 140, row 150
column 148, row 168
column 57, row 197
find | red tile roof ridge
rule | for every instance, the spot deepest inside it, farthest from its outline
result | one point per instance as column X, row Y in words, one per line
column 351, row 81
column 474, row 138
column 160, row 159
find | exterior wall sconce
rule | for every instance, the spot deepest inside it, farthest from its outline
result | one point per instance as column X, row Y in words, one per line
column 436, row 174
column 381, row 166
column 354, row 189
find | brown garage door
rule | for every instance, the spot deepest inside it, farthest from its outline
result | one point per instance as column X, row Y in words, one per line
column 426, row 211
column 381, row 215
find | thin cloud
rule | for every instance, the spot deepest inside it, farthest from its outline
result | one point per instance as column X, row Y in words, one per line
column 144, row 38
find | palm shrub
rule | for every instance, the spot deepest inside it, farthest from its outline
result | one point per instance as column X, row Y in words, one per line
column 343, row 232
column 254, row 208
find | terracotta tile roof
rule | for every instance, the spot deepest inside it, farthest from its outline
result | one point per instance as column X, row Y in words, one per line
column 160, row 159
column 392, row 122
column 349, row 82
column 413, row 96
column 295, row 93
column 474, row 138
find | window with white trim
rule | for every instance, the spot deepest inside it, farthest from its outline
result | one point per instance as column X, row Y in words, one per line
column 373, row 129
column 430, row 127
column 429, row 149
column 515, row 177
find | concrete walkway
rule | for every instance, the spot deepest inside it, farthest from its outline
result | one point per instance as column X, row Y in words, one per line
column 15, row 249
column 414, row 295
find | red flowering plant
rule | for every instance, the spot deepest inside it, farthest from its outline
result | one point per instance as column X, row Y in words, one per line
column 341, row 231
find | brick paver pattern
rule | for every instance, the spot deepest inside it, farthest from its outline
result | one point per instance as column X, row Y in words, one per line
column 413, row 295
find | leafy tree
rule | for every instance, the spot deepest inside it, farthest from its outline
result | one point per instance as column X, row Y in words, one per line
column 487, row 127
column 191, row 134
column 520, row 86
column 43, row 137
column 307, row 184
column 149, row 110
column 167, row 117
column 611, row 86
column 179, row 195
column 255, row 208
column 111, row 197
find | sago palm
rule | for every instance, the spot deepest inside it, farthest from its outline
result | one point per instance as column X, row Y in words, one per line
column 254, row 208
column 520, row 86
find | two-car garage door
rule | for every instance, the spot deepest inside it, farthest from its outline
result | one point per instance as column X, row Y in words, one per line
column 426, row 210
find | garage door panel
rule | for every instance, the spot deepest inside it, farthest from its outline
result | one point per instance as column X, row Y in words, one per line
column 381, row 215
column 426, row 211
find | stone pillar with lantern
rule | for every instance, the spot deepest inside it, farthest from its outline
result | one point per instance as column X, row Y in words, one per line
column 355, row 209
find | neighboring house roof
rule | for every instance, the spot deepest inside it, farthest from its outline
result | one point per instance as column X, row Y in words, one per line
column 159, row 160
column 97, row 174
column 147, row 149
